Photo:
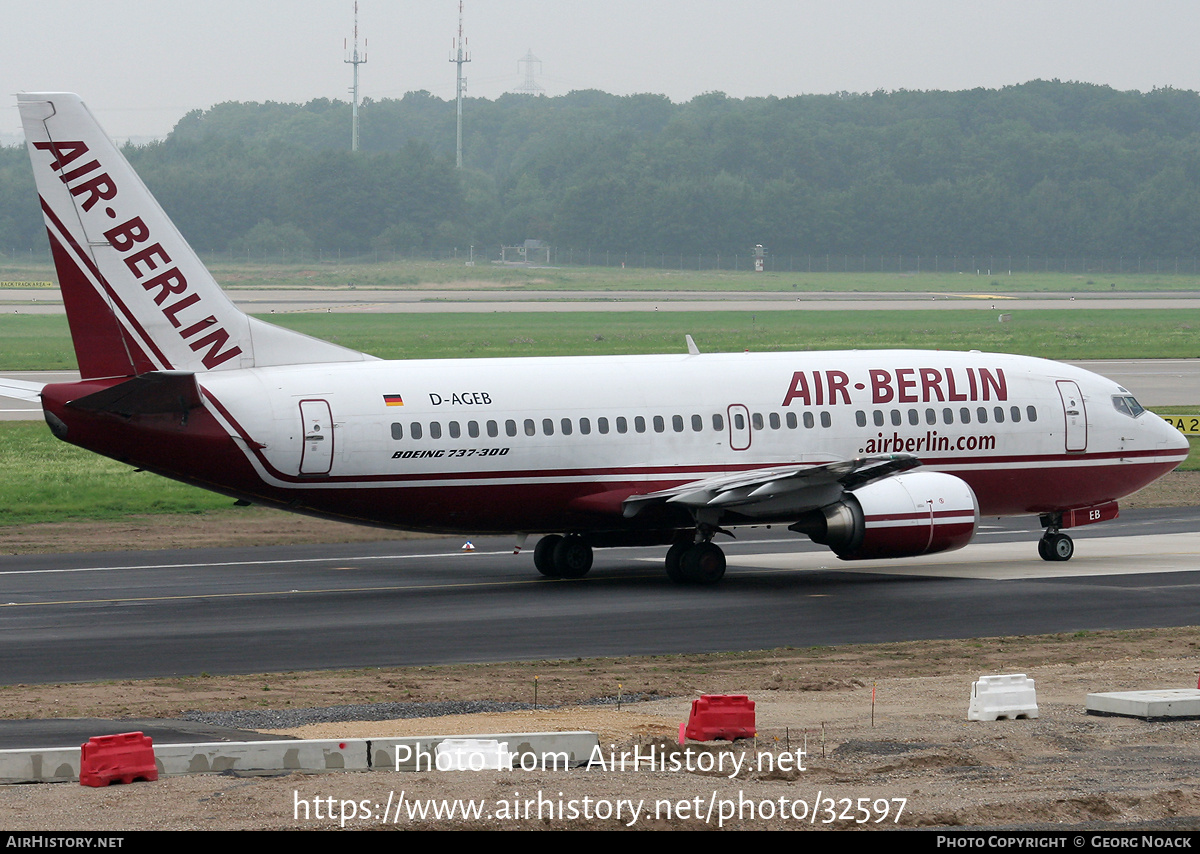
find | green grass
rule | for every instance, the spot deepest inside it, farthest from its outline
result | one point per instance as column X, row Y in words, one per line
column 1077, row 334
column 45, row 480
column 35, row 342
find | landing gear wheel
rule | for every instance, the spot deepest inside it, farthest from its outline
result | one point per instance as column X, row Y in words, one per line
column 1062, row 546
column 1056, row 547
column 703, row 563
column 572, row 557
column 675, row 561
column 543, row 555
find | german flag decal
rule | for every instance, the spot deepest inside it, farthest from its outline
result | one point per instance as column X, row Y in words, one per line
column 393, row 400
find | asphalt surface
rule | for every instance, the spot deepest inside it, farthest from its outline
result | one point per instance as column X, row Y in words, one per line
column 142, row 614
column 489, row 299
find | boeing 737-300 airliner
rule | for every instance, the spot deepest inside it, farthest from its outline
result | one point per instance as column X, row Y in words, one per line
column 875, row 454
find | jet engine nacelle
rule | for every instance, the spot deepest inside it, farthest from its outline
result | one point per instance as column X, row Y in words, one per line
column 906, row 515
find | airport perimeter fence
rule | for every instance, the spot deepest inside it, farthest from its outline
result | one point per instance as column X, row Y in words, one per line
column 829, row 262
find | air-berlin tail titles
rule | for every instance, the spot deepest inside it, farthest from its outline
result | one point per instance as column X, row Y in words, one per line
column 129, row 234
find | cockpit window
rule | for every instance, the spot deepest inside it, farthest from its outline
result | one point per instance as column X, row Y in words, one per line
column 1128, row 405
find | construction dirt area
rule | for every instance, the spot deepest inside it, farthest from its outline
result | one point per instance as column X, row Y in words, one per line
column 883, row 732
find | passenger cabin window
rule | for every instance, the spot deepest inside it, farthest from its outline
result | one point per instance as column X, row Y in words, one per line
column 585, row 426
column 397, row 431
column 473, row 429
column 1031, row 413
column 718, row 422
column 826, row 420
column 809, row 423
column 639, row 424
column 493, row 429
column 566, row 426
column 602, row 425
column 548, row 426
column 773, row 420
column 622, row 424
column 435, row 430
column 791, row 421
column 510, row 427
column 455, row 431
column 697, row 424
column 530, row 427
column 414, row 429
column 659, row 424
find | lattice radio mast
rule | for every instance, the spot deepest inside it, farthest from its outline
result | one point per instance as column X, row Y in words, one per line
column 356, row 61
column 458, row 58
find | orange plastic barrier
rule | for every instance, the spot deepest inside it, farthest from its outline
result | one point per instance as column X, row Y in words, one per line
column 721, row 716
column 117, row 758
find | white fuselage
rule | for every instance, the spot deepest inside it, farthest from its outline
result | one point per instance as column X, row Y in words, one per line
column 1004, row 423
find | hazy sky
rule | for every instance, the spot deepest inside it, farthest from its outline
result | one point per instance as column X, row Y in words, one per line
column 141, row 64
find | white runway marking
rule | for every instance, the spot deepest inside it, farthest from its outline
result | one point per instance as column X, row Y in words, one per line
column 1010, row 561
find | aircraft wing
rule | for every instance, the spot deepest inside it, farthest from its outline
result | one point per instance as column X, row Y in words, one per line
column 776, row 490
column 21, row 390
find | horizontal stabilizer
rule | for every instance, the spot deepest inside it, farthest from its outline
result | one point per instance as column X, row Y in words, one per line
column 155, row 393
column 21, row 390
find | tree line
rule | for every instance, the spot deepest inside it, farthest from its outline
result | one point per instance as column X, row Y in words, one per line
column 1046, row 168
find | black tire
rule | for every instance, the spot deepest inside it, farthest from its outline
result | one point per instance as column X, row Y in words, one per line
column 1044, row 551
column 703, row 563
column 572, row 557
column 543, row 555
column 675, row 561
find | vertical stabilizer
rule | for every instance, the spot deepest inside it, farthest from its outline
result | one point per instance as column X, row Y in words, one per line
column 137, row 297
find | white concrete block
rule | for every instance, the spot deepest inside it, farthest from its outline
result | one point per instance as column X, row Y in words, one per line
column 473, row 754
column 1161, row 705
column 1009, row 696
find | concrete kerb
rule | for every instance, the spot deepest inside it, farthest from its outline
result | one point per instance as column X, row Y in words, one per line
column 531, row 751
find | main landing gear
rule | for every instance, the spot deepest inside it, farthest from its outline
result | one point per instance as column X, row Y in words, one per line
column 690, row 562
column 1054, row 545
column 556, row 556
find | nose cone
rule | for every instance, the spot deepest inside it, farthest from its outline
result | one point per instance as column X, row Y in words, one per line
column 1171, row 441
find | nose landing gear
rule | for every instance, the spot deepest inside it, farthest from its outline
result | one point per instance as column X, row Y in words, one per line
column 1054, row 545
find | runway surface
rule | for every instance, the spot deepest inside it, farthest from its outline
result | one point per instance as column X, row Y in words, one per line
column 141, row 614
column 267, row 301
